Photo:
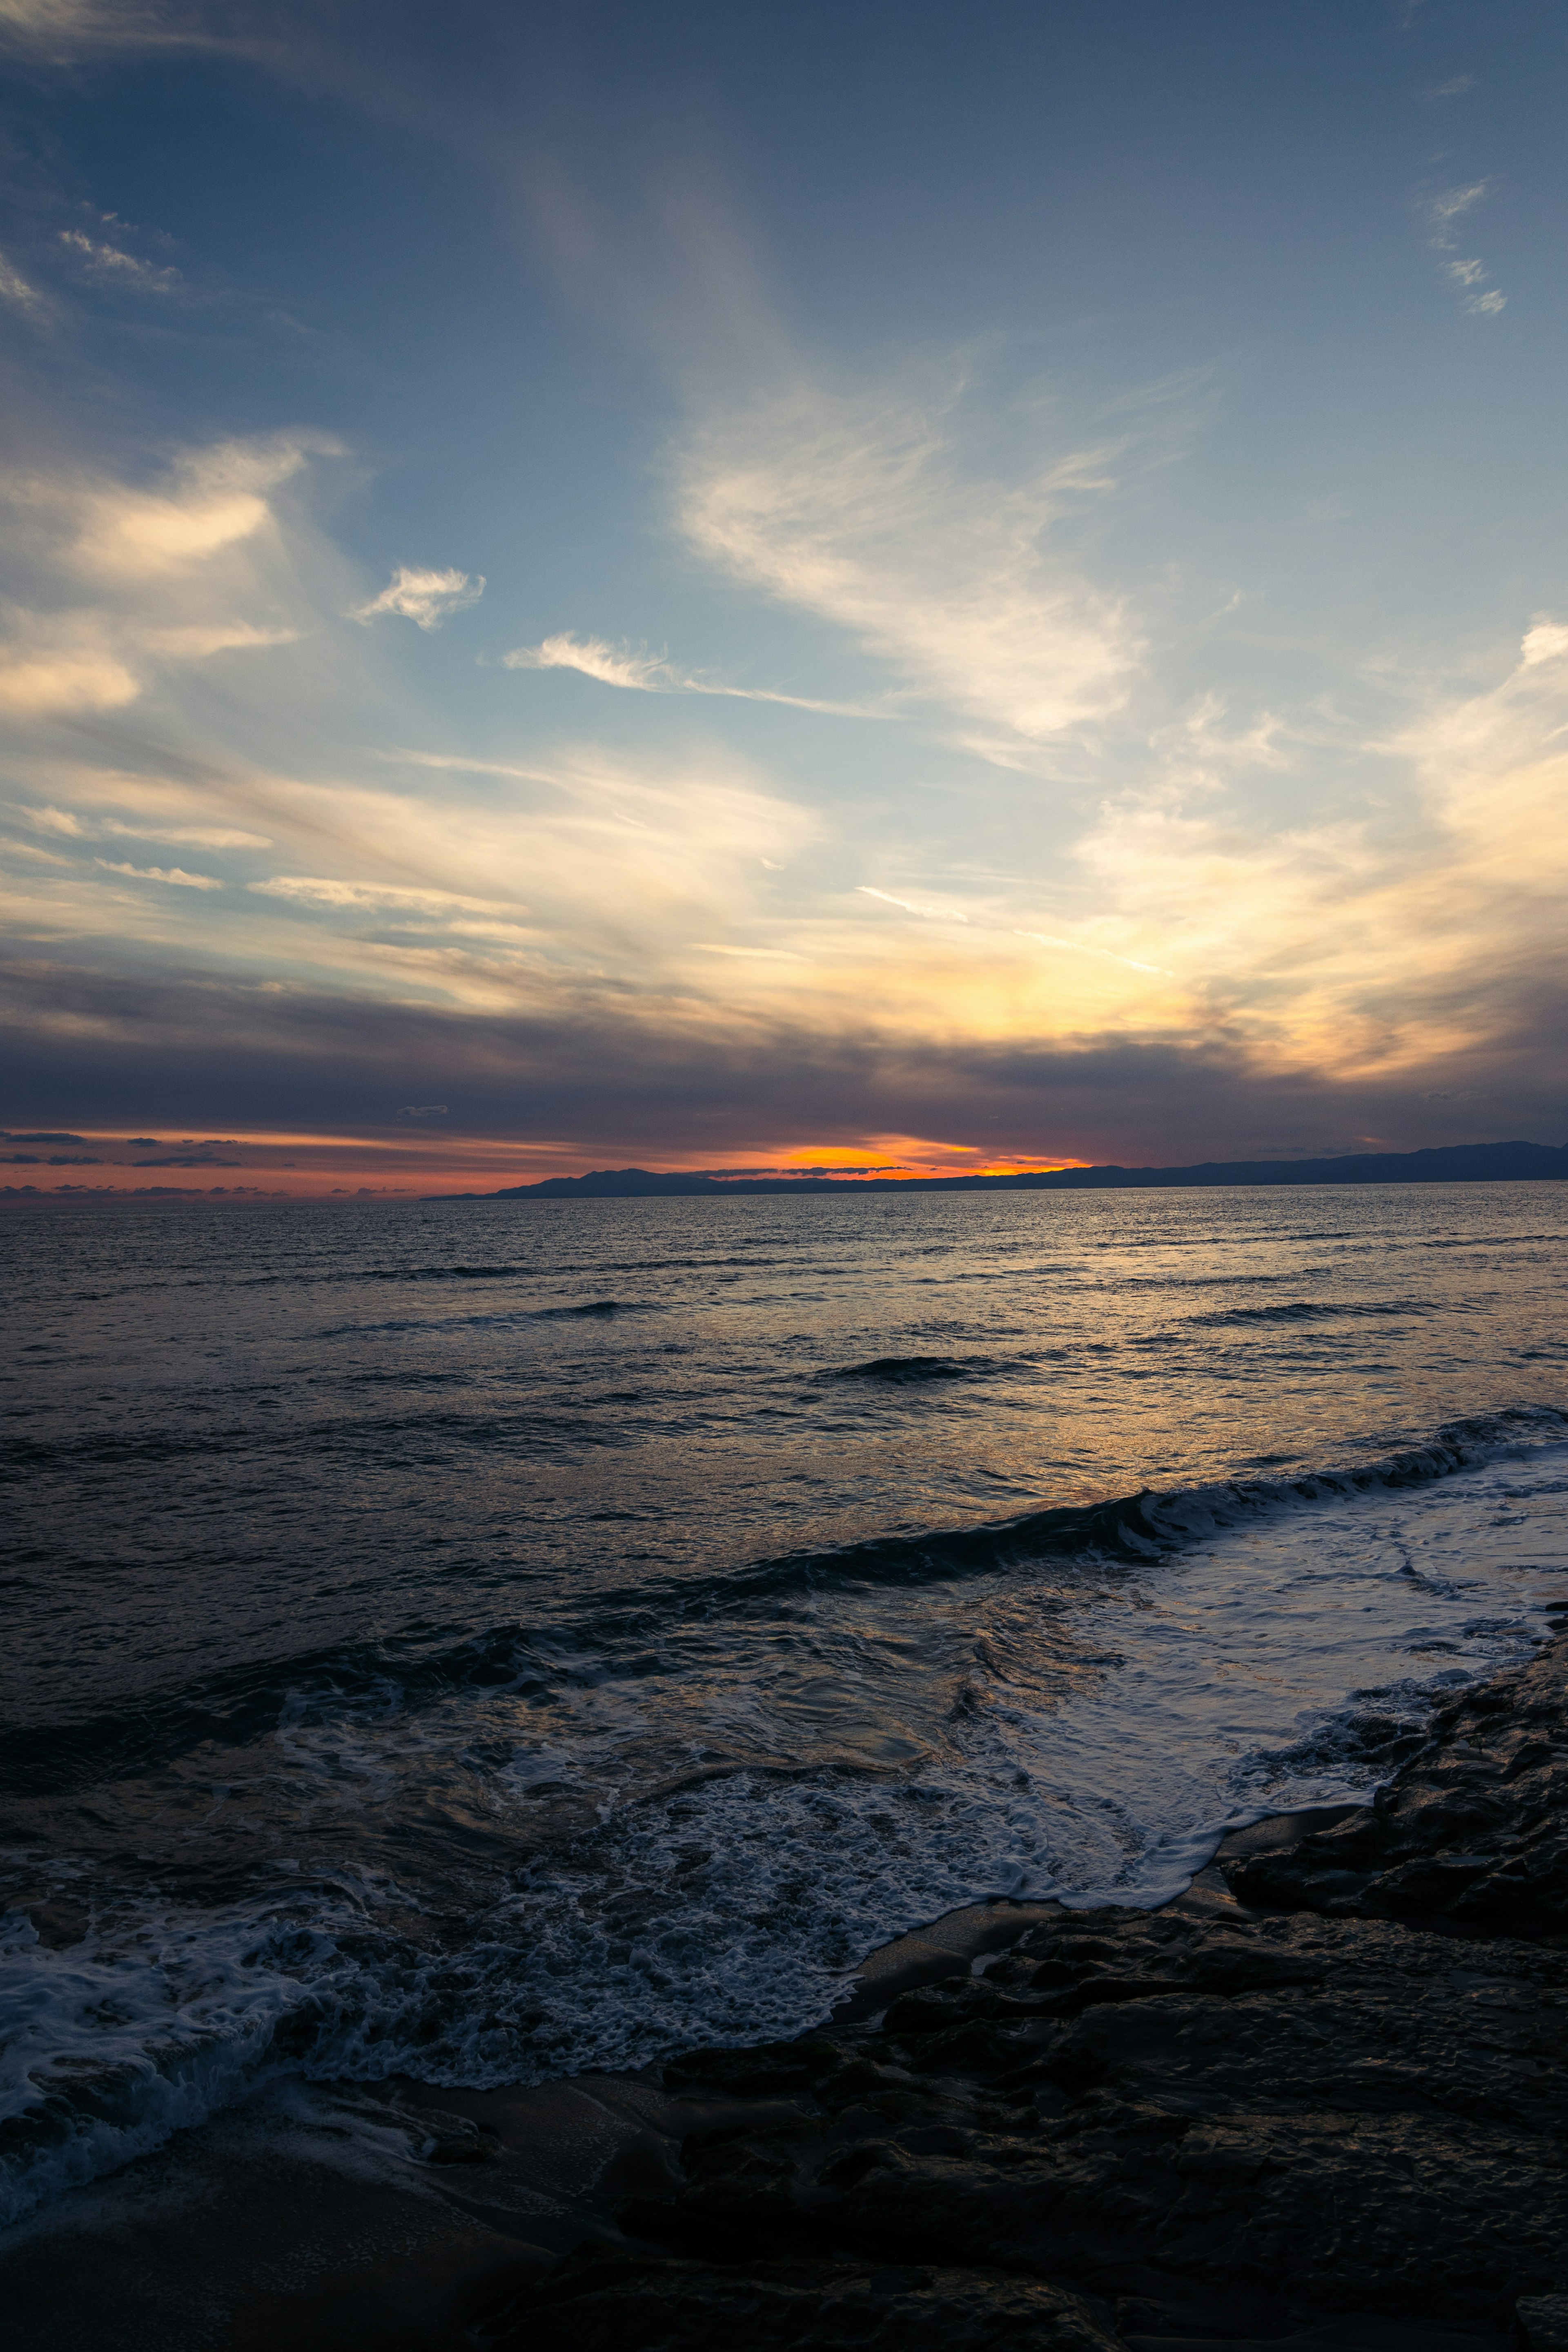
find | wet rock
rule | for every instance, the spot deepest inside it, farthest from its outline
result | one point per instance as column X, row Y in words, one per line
column 1328, row 2115
column 1543, row 2323
column 1472, row 1828
column 460, row 2151
column 611, row 2302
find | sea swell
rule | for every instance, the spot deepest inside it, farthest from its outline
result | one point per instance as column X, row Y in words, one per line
column 234, row 1707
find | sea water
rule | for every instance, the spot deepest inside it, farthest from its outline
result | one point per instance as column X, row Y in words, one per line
column 484, row 1641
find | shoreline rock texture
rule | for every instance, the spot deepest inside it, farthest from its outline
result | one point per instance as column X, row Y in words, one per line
column 1315, row 2103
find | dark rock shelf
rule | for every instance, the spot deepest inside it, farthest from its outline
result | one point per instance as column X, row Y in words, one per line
column 1316, row 2104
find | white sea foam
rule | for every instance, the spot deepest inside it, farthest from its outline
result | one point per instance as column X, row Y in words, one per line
column 107, row 2046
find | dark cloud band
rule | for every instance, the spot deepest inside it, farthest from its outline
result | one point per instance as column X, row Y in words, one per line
column 625, row 1077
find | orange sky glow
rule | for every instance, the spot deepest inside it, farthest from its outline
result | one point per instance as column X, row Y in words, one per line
column 421, row 1163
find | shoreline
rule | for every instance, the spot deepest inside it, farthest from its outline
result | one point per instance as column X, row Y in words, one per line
column 999, row 2110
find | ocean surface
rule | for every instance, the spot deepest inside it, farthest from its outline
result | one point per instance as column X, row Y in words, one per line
column 486, row 1641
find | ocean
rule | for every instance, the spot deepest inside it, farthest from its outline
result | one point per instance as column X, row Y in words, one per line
column 483, row 1642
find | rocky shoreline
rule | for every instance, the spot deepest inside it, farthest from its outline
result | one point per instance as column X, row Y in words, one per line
column 1317, row 2103
column 1314, row 2105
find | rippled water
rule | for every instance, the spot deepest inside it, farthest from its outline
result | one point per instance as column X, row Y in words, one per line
column 484, row 1640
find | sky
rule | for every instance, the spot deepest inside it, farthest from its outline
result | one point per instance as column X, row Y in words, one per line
column 910, row 587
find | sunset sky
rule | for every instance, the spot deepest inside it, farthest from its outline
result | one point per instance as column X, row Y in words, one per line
column 711, row 586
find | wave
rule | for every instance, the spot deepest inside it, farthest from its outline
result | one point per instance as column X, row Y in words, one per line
column 526, row 1270
column 1311, row 1310
column 1134, row 1529
column 596, row 1308
column 400, row 1673
column 114, row 2045
column 330, row 1434
column 906, row 1372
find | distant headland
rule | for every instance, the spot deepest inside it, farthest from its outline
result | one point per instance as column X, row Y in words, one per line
column 1457, row 1163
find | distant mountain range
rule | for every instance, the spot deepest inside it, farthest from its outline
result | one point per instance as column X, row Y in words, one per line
column 1456, row 1163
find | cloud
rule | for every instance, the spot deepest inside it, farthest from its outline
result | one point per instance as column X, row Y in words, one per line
column 312, row 890
column 604, row 944
column 197, row 836
column 116, row 583
column 1445, row 208
column 112, row 265
column 1460, row 87
column 51, row 23
column 764, row 955
column 58, row 31
column 520, row 884
column 1044, row 939
column 1416, row 928
column 53, row 820
column 52, row 20
column 1082, row 947
column 592, row 869
column 70, row 822
column 164, row 874
column 1494, row 770
column 611, row 665
column 1441, row 213
column 16, row 289
column 629, row 1083
column 211, row 500
column 909, row 906
column 69, row 664
column 1545, row 640
column 199, row 639
column 425, row 598
column 1404, row 930
column 858, row 510
column 646, row 673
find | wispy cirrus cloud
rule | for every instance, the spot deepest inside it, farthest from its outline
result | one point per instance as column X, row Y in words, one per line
column 77, row 827
column 58, row 31
column 859, row 509
column 481, row 884
column 646, row 673
column 175, row 874
column 112, row 265
column 642, row 673
column 1001, row 931
column 192, row 837
column 1444, row 210
column 19, row 291
column 1469, row 276
column 55, row 25
column 1086, row 947
column 331, row 893
column 911, row 906
column 424, row 597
